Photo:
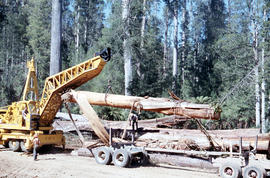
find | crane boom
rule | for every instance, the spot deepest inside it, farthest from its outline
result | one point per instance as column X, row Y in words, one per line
column 68, row 79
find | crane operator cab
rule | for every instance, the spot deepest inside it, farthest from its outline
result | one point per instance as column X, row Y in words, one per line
column 31, row 116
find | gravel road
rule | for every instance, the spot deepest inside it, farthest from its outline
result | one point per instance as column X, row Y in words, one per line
column 63, row 164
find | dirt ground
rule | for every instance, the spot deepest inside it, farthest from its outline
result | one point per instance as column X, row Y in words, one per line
column 63, row 164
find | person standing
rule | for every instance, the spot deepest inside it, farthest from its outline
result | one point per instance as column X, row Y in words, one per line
column 36, row 143
column 133, row 121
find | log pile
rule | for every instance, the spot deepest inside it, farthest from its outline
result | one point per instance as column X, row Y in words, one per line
column 185, row 139
column 150, row 135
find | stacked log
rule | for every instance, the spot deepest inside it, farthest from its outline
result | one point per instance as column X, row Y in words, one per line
column 150, row 135
column 185, row 139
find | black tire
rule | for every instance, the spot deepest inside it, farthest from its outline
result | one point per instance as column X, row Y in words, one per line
column 103, row 156
column 230, row 170
column 144, row 159
column 22, row 145
column 254, row 171
column 14, row 145
column 121, row 158
column 6, row 145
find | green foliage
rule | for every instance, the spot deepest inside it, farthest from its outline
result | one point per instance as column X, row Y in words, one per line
column 38, row 34
column 217, row 52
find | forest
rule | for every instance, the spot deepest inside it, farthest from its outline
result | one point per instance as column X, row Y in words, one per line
column 205, row 51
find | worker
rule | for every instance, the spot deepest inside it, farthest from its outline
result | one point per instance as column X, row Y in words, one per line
column 24, row 114
column 133, row 120
column 36, row 143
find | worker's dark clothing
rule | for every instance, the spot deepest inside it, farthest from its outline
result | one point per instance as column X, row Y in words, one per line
column 133, row 120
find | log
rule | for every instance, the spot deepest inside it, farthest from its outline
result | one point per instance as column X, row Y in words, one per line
column 186, row 139
column 161, row 105
column 195, row 140
column 63, row 123
column 93, row 118
column 181, row 161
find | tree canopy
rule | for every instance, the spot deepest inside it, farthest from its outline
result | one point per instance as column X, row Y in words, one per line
column 220, row 47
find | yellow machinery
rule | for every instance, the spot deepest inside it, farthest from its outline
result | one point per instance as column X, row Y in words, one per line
column 21, row 120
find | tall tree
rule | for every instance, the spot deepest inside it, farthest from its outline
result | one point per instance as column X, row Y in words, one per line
column 175, row 45
column 184, row 39
column 56, row 36
column 254, row 25
column 165, row 45
column 127, row 45
column 13, row 49
column 38, row 33
column 87, row 23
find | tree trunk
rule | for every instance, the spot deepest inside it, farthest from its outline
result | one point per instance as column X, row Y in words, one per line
column 160, row 105
column 143, row 25
column 263, row 83
column 184, row 30
column 255, row 51
column 182, row 161
column 257, row 84
column 165, row 50
column 126, row 45
column 138, row 64
column 56, row 35
column 175, row 45
column 77, row 33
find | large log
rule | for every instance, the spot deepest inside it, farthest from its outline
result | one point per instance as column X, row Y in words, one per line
column 200, row 142
column 177, row 139
column 161, row 105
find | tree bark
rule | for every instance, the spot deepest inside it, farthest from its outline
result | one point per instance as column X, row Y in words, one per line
column 126, row 45
column 56, row 35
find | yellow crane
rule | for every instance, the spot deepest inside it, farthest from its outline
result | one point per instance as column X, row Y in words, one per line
column 21, row 120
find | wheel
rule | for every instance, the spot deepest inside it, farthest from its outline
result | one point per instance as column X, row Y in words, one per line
column 121, row 158
column 6, row 144
column 143, row 159
column 14, row 145
column 22, row 145
column 254, row 171
column 230, row 170
column 103, row 156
